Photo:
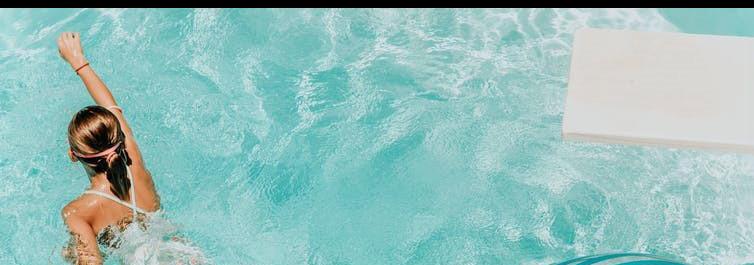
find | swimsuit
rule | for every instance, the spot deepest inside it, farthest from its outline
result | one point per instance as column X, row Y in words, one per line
column 107, row 235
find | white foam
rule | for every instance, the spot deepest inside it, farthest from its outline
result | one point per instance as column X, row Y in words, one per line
column 44, row 32
column 159, row 244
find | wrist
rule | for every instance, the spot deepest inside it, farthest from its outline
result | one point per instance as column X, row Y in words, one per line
column 81, row 68
column 78, row 64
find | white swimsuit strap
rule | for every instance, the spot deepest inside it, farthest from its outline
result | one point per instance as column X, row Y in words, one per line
column 113, row 198
column 133, row 191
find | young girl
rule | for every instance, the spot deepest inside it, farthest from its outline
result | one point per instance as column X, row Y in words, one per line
column 121, row 195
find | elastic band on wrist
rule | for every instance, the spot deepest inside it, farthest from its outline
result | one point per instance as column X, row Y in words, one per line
column 77, row 69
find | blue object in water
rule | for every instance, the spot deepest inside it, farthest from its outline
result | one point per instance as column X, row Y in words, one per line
column 620, row 259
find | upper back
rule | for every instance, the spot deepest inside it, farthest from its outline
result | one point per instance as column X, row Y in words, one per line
column 101, row 212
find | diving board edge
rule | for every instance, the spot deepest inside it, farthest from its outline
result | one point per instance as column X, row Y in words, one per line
column 652, row 142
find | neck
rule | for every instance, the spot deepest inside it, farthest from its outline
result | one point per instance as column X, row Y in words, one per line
column 99, row 182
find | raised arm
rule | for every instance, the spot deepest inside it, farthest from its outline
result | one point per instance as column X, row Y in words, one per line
column 69, row 46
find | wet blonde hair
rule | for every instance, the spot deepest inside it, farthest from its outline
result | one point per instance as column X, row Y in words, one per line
column 92, row 130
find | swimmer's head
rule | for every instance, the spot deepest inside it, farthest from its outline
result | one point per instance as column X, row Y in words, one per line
column 98, row 143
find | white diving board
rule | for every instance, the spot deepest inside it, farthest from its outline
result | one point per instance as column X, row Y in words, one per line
column 661, row 89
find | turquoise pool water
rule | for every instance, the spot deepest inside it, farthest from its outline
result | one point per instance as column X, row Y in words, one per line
column 362, row 137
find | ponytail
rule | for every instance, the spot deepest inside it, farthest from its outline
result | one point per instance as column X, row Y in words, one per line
column 117, row 173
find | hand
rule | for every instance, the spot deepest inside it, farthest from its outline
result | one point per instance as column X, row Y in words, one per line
column 69, row 46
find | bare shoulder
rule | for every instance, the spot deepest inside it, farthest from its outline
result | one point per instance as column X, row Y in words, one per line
column 84, row 242
column 79, row 208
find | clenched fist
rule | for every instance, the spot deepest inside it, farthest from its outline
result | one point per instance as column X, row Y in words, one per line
column 69, row 46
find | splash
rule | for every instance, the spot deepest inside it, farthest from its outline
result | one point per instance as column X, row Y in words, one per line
column 160, row 244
